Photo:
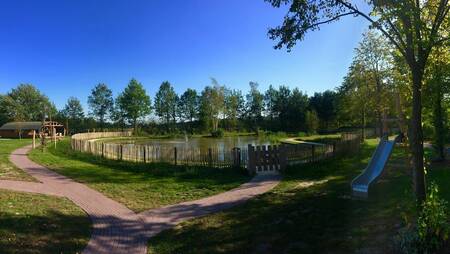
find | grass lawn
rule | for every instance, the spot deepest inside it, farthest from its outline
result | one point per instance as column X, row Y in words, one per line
column 7, row 170
column 31, row 223
column 139, row 186
column 311, row 211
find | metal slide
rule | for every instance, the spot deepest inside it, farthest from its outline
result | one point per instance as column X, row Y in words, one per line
column 361, row 184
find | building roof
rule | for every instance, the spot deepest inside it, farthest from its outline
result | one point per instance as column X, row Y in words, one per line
column 22, row 126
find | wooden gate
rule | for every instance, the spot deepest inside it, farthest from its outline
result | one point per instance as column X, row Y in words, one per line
column 266, row 160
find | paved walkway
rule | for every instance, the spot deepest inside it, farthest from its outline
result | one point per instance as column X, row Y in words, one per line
column 117, row 229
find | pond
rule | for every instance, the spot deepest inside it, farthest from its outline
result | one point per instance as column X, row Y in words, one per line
column 203, row 143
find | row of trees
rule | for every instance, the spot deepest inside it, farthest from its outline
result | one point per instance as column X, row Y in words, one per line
column 215, row 107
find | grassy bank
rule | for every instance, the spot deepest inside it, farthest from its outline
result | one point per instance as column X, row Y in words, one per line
column 7, row 170
column 311, row 211
column 139, row 186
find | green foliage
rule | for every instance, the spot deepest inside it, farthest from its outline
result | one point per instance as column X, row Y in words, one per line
column 166, row 103
column 134, row 102
column 25, row 103
column 432, row 229
column 100, row 102
column 212, row 105
column 432, row 224
column 255, row 105
column 312, row 121
column 189, row 105
column 217, row 133
column 74, row 115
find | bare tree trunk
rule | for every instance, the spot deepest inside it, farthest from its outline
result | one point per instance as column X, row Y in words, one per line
column 416, row 137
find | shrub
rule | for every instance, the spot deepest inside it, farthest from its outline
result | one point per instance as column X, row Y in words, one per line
column 217, row 133
column 431, row 231
column 432, row 224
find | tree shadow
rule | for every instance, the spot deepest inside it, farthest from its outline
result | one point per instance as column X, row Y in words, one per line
column 321, row 218
column 54, row 232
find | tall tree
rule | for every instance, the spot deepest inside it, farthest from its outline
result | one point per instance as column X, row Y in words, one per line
column 324, row 105
column 374, row 54
column 25, row 103
column 413, row 27
column 134, row 102
column 189, row 105
column 234, row 107
column 74, row 115
column 212, row 105
column 101, row 103
column 166, row 102
column 255, row 105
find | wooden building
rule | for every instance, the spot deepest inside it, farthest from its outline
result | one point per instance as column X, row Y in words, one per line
column 26, row 129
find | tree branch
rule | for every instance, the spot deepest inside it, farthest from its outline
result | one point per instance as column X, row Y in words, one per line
column 332, row 19
column 376, row 24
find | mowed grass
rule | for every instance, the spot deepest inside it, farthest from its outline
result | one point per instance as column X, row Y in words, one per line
column 139, row 186
column 32, row 223
column 7, row 170
column 310, row 211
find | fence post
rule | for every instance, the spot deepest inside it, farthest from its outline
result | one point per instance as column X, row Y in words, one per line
column 175, row 155
column 251, row 159
column 145, row 153
column 209, row 157
column 282, row 153
column 121, row 152
column 103, row 150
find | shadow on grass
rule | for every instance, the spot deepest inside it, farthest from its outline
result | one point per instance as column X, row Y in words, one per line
column 319, row 218
column 95, row 169
column 51, row 233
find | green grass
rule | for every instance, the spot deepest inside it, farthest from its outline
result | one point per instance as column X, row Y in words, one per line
column 139, row 186
column 31, row 223
column 7, row 170
column 310, row 211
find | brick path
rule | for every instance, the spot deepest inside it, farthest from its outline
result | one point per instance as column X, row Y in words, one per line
column 117, row 229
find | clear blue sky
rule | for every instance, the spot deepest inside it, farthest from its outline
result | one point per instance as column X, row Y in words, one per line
column 66, row 47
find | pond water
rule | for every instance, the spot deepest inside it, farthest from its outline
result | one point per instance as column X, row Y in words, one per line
column 221, row 144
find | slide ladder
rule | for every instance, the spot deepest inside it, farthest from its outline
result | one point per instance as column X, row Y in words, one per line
column 360, row 185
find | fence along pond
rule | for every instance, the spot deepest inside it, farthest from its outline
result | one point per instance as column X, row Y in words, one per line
column 267, row 158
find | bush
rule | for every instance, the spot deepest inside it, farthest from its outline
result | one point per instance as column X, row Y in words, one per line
column 432, row 224
column 217, row 133
column 431, row 231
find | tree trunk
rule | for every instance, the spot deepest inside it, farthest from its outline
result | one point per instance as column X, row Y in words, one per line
column 135, row 126
column 416, row 137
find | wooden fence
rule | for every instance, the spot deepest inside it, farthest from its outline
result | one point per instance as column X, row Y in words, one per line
column 262, row 157
column 212, row 157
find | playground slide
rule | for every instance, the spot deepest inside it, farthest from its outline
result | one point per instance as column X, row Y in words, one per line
column 360, row 185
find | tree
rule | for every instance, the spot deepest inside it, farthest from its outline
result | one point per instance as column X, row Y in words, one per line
column 413, row 27
column 73, row 113
column 101, row 103
column 234, row 107
column 166, row 102
column 25, row 103
column 324, row 105
column 189, row 105
column 134, row 102
column 255, row 105
column 212, row 105
column 296, row 110
column 437, row 88
column 312, row 121
column 374, row 55
column 118, row 115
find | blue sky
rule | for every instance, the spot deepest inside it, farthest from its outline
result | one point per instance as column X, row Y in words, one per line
column 66, row 47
